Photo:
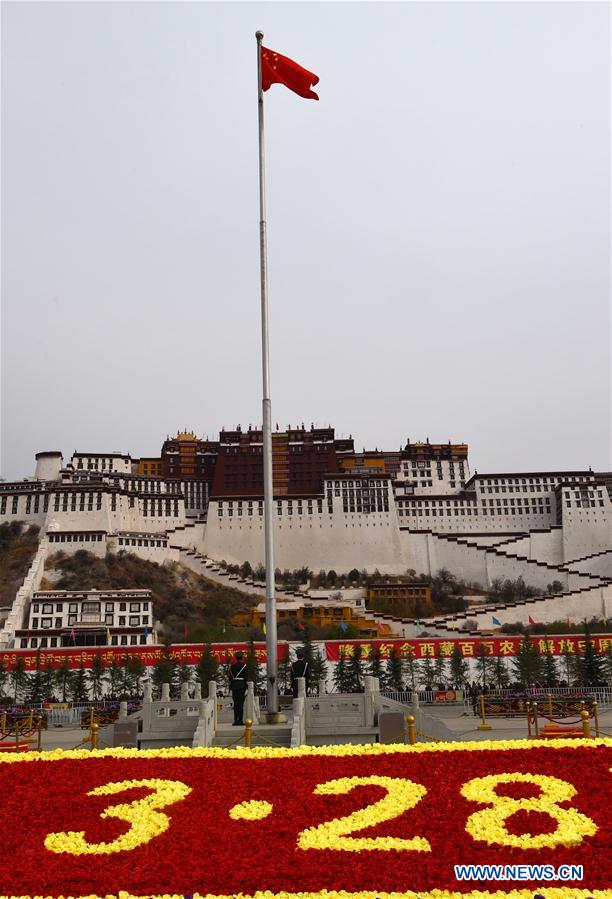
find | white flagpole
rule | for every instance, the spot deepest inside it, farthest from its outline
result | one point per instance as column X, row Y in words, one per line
column 271, row 640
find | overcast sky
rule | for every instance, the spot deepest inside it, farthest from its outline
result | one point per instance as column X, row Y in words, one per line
column 439, row 226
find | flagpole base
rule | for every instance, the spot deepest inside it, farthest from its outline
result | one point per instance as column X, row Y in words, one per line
column 275, row 718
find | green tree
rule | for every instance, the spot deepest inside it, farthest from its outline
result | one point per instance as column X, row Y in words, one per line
column 283, row 677
column 80, row 692
column 440, row 667
column 308, row 648
column 499, row 673
column 48, row 681
column 376, row 667
column 570, row 666
column 127, row 686
column 303, row 574
column 412, row 669
column 224, row 675
column 483, row 666
column 340, row 677
column 19, row 678
column 591, row 663
column 3, row 677
column 246, row 570
column 394, row 671
column 115, row 678
column 549, row 669
column 184, row 674
column 33, row 689
column 164, row 671
column 137, row 670
column 63, row 679
column 459, row 668
column 607, row 666
column 254, row 671
column 355, row 670
column 207, row 669
column 97, row 677
column 428, row 673
column 555, row 587
column 319, row 672
column 528, row 663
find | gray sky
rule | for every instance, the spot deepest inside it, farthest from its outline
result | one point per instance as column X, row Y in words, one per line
column 439, row 226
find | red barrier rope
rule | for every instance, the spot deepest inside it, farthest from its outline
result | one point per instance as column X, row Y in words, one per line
column 563, row 721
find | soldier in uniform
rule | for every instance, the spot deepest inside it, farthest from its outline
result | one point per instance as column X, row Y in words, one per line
column 299, row 668
column 238, row 683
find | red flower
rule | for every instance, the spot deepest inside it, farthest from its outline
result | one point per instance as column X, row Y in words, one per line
column 376, row 818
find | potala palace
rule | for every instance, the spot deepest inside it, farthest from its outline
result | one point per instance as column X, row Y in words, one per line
column 201, row 501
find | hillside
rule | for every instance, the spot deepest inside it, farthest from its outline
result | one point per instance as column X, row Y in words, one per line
column 180, row 596
column 18, row 545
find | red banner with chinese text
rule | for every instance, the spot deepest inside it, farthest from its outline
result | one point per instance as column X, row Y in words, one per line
column 182, row 653
column 494, row 646
column 191, row 653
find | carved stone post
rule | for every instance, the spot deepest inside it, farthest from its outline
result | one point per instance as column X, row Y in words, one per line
column 212, row 695
column 249, row 702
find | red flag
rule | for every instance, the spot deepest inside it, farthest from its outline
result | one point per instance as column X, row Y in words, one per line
column 531, row 621
column 277, row 69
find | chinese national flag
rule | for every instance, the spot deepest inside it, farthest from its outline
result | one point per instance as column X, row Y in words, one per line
column 531, row 621
column 277, row 69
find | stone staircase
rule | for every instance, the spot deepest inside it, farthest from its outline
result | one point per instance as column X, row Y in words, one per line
column 268, row 735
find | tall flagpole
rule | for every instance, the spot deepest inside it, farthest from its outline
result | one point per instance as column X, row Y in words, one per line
column 271, row 641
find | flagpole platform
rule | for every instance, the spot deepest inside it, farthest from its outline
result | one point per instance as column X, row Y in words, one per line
column 275, row 718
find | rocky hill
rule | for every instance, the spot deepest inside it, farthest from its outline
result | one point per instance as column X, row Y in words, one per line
column 180, row 596
column 18, row 545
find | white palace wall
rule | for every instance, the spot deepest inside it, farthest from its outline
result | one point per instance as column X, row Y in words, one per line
column 599, row 565
column 586, row 531
column 546, row 546
column 341, row 541
column 591, row 603
column 427, row 553
column 94, row 542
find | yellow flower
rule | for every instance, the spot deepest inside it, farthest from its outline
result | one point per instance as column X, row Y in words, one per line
column 489, row 825
column 250, row 810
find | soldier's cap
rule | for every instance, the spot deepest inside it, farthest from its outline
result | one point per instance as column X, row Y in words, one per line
column 239, row 654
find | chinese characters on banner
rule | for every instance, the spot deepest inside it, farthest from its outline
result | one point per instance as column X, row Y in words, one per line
column 469, row 648
column 190, row 653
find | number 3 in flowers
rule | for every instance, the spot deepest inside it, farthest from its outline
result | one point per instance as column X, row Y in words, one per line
column 489, row 825
column 145, row 821
column 401, row 795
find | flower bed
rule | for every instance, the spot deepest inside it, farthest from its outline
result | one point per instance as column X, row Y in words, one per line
column 346, row 821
